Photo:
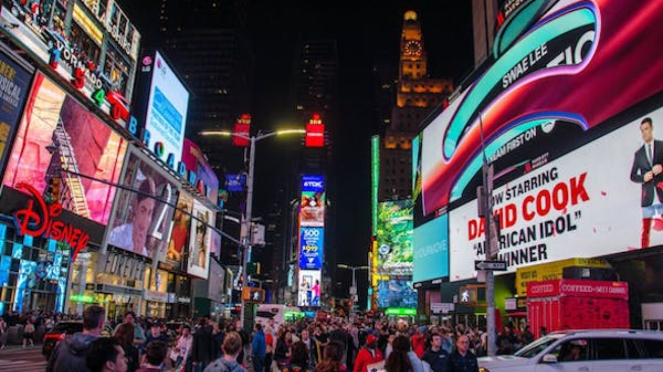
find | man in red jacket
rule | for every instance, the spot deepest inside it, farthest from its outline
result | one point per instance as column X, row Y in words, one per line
column 368, row 355
column 419, row 342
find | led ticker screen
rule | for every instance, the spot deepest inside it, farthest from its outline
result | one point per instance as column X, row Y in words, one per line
column 394, row 238
column 311, row 248
column 312, row 210
column 57, row 132
column 431, row 250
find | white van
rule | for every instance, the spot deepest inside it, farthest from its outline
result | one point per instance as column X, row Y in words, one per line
column 279, row 313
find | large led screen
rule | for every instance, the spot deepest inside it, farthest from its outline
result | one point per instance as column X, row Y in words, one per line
column 310, row 283
column 201, row 174
column 200, row 243
column 311, row 248
column 593, row 201
column 166, row 109
column 14, row 86
column 312, row 211
column 56, row 134
column 143, row 213
column 396, row 293
column 431, row 250
column 582, row 63
column 178, row 247
column 394, row 238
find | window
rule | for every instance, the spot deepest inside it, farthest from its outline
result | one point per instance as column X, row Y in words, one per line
column 571, row 351
column 653, row 348
column 609, row 348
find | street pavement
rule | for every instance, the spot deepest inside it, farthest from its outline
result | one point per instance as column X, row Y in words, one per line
column 16, row 359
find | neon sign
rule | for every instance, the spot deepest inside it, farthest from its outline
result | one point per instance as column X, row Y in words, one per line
column 38, row 219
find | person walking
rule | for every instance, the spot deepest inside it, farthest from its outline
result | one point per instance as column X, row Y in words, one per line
column 399, row 360
column 69, row 354
column 258, row 348
column 368, row 354
column 183, row 349
column 202, row 348
column 436, row 356
column 232, row 345
column 125, row 337
column 155, row 356
column 106, row 355
column 300, row 359
column 462, row 359
column 4, row 333
column 28, row 333
column 331, row 358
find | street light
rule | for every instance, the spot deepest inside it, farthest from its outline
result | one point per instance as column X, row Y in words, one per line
column 354, row 277
column 246, row 232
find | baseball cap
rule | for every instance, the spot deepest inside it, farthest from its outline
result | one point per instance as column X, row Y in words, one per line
column 371, row 340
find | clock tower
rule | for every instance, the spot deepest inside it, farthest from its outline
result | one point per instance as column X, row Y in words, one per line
column 413, row 57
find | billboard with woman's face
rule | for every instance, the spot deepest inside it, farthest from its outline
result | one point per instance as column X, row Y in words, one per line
column 201, row 240
column 143, row 212
column 179, row 238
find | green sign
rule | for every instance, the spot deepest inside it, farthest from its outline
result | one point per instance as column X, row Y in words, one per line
column 375, row 179
column 86, row 299
column 400, row 311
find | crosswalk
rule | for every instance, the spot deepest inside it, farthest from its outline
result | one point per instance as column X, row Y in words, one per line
column 23, row 360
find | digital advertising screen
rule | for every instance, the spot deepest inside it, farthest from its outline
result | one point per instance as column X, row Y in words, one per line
column 178, row 246
column 166, row 109
column 394, row 238
column 14, row 88
column 204, row 179
column 57, row 133
column 310, row 284
column 143, row 216
column 311, row 248
column 200, row 243
column 312, row 210
column 396, row 293
column 431, row 250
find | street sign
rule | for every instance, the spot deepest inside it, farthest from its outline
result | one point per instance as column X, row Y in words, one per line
column 490, row 265
column 441, row 307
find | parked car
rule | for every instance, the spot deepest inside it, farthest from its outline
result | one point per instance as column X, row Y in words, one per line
column 584, row 350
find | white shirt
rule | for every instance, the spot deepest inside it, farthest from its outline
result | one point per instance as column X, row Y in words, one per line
column 122, row 237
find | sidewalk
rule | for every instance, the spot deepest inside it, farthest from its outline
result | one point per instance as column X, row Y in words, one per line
column 20, row 347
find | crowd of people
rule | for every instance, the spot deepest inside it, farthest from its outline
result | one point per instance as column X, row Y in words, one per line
column 306, row 345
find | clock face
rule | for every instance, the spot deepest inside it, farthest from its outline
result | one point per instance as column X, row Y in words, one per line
column 413, row 47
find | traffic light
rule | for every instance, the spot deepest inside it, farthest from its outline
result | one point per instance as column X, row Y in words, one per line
column 54, row 189
column 253, row 268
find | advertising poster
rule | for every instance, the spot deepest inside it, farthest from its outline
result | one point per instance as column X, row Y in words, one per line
column 57, row 132
column 309, row 288
column 142, row 219
column 312, row 211
column 166, row 109
column 394, row 238
column 205, row 180
column 592, row 60
column 396, row 293
column 179, row 237
column 311, row 248
column 14, row 87
column 431, row 250
column 591, row 202
column 201, row 240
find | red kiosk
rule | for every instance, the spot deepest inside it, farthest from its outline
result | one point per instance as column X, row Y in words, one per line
column 577, row 304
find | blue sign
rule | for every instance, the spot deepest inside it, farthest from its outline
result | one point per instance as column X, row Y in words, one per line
column 313, row 183
column 311, row 246
column 14, row 88
column 235, row 182
column 431, row 250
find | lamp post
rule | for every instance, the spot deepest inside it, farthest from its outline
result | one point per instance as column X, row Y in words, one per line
column 245, row 237
column 354, row 277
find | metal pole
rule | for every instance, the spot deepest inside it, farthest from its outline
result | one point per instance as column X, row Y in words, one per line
column 246, row 239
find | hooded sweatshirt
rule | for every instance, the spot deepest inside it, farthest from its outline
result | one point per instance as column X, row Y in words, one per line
column 69, row 354
column 222, row 365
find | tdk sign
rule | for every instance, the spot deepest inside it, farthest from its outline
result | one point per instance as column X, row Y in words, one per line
column 313, row 183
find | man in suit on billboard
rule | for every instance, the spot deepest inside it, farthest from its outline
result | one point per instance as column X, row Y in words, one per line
column 648, row 171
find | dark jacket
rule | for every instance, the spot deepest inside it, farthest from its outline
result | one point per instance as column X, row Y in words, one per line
column 259, row 344
column 133, row 359
column 436, row 359
column 222, row 365
column 69, row 354
column 202, row 346
column 641, row 165
column 459, row 363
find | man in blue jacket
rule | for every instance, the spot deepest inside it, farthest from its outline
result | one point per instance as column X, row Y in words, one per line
column 259, row 347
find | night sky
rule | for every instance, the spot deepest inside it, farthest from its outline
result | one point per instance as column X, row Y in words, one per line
column 367, row 34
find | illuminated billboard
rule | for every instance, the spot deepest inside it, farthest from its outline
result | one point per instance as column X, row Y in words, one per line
column 309, row 286
column 312, row 210
column 431, row 250
column 588, row 74
column 59, row 140
column 178, row 247
column 396, row 293
column 14, row 87
column 394, row 238
column 143, row 215
column 199, row 172
column 200, row 243
column 375, row 180
column 165, row 113
column 311, row 248
column 591, row 198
